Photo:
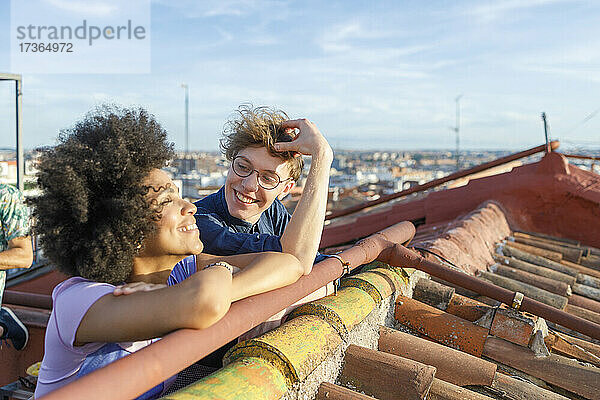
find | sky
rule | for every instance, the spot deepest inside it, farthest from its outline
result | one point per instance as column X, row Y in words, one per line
column 371, row 75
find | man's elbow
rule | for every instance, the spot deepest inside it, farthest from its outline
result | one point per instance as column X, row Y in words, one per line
column 307, row 269
column 295, row 266
column 304, row 264
column 27, row 259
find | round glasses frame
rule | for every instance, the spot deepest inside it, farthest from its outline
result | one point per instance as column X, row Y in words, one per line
column 259, row 175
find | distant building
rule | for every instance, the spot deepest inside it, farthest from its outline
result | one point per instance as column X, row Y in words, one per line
column 8, row 171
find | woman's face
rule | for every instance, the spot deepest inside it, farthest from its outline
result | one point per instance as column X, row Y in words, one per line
column 177, row 233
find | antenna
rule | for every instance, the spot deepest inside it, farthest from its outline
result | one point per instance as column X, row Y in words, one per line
column 456, row 129
column 548, row 149
column 187, row 106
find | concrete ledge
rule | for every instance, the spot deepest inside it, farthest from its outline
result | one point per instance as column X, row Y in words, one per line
column 403, row 273
column 379, row 283
column 342, row 311
column 293, row 360
column 365, row 334
column 250, row 378
column 294, row 349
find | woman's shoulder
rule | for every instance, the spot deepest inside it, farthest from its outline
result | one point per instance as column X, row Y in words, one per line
column 78, row 284
column 76, row 294
column 182, row 270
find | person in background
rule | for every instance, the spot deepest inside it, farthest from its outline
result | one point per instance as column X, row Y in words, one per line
column 246, row 215
column 109, row 216
column 15, row 252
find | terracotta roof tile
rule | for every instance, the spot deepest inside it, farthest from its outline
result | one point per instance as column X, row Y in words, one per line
column 554, row 369
column 386, row 376
column 452, row 365
column 442, row 327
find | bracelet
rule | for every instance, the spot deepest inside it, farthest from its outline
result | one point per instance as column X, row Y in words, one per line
column 221, row 264
column 345, row 271
column 345, row 264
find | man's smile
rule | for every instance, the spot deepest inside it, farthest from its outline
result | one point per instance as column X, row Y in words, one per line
column 243, row 198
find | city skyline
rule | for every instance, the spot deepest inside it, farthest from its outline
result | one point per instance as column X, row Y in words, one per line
column 376, row 76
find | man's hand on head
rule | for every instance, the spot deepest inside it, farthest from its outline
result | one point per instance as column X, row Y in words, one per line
column 308, row 141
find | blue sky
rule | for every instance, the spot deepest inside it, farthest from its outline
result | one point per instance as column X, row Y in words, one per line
column 372, row 75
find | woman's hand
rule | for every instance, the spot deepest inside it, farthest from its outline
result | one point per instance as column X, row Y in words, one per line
column 133, row 287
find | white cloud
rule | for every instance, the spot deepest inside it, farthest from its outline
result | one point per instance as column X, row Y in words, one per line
column 344, row 37
column 87, row 8
column 516, row 116
column 584, row 73
column 227, row 8
column 262, row 40
column 226, row 36
column 577, row 62
column 491, row 11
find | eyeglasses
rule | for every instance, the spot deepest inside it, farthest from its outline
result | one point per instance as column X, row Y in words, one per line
column 266, row 179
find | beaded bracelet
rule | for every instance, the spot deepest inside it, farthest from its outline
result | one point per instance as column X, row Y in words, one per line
column 221, row 264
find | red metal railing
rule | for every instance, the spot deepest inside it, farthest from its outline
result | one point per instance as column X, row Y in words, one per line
column 437, row 182
column 580, row 157
column 42, row 301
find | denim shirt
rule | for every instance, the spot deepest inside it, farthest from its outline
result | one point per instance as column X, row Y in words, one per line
column 224, row 235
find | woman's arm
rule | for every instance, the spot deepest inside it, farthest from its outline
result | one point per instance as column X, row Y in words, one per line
column 267, row 272
column 197, row 303
column 239, row 260
column 260, row 272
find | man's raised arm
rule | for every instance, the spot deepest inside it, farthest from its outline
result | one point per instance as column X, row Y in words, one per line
column 302, row 234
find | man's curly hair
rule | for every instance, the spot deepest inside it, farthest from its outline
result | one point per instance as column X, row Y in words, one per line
column 259, row 127
column 92, row 215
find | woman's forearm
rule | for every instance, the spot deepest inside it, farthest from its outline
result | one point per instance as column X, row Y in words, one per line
column 265, row 273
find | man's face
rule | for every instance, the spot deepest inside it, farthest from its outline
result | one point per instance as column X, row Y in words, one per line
column 245, row 199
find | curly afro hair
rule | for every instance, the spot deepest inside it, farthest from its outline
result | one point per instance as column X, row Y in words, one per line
column 92, row 215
